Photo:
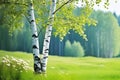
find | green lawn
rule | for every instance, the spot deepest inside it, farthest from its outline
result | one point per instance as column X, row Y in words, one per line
column 67, row 68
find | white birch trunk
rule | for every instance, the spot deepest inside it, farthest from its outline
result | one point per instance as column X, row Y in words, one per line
column 48, row 36
column 35, row 42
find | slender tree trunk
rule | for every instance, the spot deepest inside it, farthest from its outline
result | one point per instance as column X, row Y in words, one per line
column 98, row 42
column 48, row 36
column 35, row 42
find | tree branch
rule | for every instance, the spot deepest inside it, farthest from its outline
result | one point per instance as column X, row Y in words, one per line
column 62, row 6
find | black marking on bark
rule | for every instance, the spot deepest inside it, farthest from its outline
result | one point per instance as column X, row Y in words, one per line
column 31, row 4
column 45, row 57
column 37, row 58
column 34, row 36
column 31, row 21
column 37, row 69
column 43, row 65
column 50, row 30
column 46, row 49
column 34, row 46
column 46, row 40
column 31, row 9
column 38, row 65
column 49, row 36
column 50, row 18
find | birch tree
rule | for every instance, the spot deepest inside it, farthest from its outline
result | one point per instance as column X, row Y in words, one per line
column 14, row 12
column 48, row 36
column 35, row 42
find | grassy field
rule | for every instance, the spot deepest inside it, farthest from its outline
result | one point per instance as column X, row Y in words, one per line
column 68, row 68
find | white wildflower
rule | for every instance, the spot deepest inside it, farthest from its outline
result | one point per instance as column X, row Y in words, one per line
column 3, row 61
column 8, row 64
column 17, row 64
column 3, row 58
column 13, row 59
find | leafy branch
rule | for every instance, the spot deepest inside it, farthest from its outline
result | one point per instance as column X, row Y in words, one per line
column 62, row 6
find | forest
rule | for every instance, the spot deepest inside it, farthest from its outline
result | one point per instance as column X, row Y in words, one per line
column 103, row 39
column 59, row 40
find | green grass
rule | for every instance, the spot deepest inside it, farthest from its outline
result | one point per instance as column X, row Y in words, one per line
column 68, row 68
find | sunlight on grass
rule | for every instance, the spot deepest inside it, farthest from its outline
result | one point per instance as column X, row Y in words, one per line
column 68, row 68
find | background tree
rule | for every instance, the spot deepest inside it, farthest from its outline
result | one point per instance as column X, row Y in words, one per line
column 103, row 39
column 73, row 50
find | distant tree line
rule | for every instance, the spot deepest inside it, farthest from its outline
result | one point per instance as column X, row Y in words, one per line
column 73, row 50
column 103, row 39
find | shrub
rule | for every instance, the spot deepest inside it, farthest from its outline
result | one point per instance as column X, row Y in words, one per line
column 73, row 50
column 12, row 68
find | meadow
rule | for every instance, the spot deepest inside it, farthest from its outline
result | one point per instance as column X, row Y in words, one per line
column 71, row 68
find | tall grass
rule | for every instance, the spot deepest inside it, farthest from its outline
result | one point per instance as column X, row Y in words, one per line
column 67, row 68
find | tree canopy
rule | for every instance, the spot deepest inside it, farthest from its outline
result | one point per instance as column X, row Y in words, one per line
column 13, row 12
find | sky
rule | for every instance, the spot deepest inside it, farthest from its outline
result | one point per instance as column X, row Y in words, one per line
column 113, row 7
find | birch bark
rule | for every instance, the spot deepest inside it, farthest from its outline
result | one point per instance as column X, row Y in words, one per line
column 48, row 36
column 35, row 42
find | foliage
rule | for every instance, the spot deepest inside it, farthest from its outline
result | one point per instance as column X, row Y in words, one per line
column 65, row 20
column 73, row 50
column 64, row 23
column 13, row 68
column 13, row 12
